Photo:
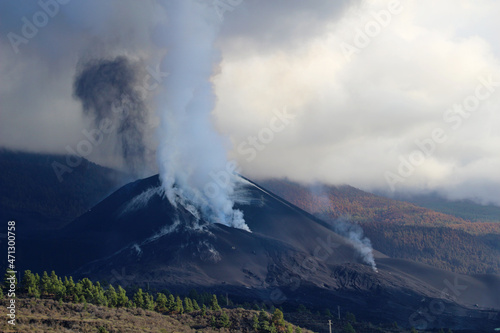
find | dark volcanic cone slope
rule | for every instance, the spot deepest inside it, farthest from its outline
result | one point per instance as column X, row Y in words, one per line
column 136, row 236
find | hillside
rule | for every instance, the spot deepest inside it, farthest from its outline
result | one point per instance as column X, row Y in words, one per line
column 30, row 190
column 45, row 315
column 336, row 201
column 465, row 209
column 453, row 250
column 402, row 229
column 137, row 237
column 88, row 306
column 31, row 193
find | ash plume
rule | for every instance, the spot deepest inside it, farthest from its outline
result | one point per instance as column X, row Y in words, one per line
column 191, row 154
column 106, row 89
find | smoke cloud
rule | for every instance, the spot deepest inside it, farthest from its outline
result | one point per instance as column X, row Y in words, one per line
column 354, row 233
column 342, row 226
column 191, row 154
column 106, row 89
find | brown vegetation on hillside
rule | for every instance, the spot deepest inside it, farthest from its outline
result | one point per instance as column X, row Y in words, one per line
column 401, row 229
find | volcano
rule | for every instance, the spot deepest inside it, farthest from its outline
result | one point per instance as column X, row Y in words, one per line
column 136, row 237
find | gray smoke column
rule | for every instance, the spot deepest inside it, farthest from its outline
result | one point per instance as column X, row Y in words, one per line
column 354, row 233
column 344, row 227
column 191, row 154
column 106, row 89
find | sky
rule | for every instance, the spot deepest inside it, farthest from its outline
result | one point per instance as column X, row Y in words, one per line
column 391, row 96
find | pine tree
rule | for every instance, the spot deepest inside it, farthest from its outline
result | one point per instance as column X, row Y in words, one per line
column 87, row 289
column 161, row 302
column 349, row 329
column 171, row 303
column 204, row 310
column 122, row 299
column 28, row 281
column 214, row 305
column 289, row 328
column 255, row 323
column 97, row 287
column 70, row 286
column 298, row 330
column 54, row 283
column 188, row 305
column 112, row 296
column 278, row 319
column 79, row 289
column 30, row 284
column 100, row 297
column 38, row 282
column 45, row 286
column 59, row 289
column 224, row 320
column 138, row 298
column 263, row 316
column 178, row 305
column 33, row 292
column 10, row 277
column 263, row 321
column 149, row 303
column 196, row 307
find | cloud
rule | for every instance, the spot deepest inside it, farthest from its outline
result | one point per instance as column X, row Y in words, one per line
column 38, row 110
column 356, row 114
column 356, row 118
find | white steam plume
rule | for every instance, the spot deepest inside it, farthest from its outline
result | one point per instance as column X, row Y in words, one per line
column 342, row 226
column 354, row 233
column 191, row 153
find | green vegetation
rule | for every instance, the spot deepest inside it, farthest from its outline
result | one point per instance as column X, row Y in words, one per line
column 51, row 286
column 349, row 329
column 263, row 323
column 48, row 315
column 88, row 306
column 51, row 303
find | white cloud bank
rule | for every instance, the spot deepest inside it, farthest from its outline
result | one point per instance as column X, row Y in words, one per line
column 357, row 114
